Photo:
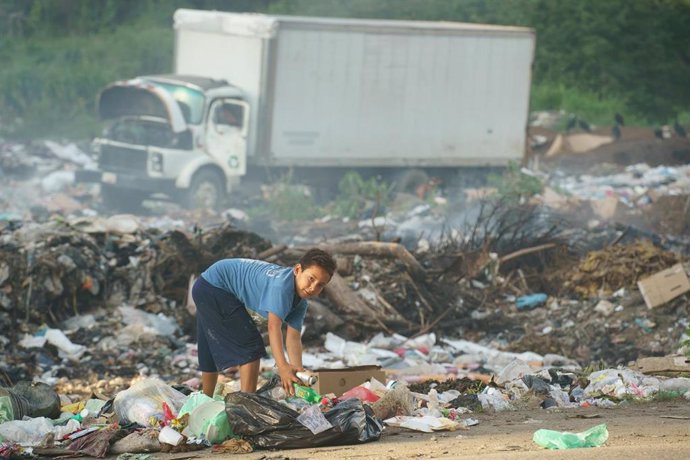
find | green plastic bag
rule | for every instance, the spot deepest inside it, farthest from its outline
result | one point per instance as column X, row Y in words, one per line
column 207, row 418
column 6, row 410
column 594, row 437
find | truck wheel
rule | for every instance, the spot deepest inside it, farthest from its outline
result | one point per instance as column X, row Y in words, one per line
column 207, row 191
column 408, row 181
column 121, row 200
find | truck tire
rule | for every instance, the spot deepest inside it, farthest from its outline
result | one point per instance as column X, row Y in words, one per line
column 206, row 191
column 121, row 200
column 408, row 181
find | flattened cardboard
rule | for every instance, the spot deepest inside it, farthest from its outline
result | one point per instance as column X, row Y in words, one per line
column 338, row 381
column 663, row 364
column 664, row 286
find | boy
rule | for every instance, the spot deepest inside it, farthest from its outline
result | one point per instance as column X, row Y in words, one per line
column 226, row 334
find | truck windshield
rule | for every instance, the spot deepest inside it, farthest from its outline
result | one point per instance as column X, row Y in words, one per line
column 190, row 101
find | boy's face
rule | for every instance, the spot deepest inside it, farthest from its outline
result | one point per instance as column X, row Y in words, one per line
column 310, row 281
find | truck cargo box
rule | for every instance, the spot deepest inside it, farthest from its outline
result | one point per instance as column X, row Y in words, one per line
column 357, row 93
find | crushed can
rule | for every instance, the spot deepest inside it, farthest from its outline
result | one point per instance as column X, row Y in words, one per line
column 307, row 378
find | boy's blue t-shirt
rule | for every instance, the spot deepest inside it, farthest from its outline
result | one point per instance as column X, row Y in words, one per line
column 261, row 286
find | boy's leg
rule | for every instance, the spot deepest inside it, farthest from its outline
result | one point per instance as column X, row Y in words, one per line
column 208, row 382
column 249, row 375
column 226, row 336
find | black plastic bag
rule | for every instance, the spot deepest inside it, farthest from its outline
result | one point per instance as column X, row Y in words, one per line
column 32, row 400
column 267, row 423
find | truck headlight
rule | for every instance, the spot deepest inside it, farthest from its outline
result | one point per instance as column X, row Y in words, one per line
column 157, row 162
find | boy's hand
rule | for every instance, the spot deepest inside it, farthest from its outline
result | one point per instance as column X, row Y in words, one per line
column 288, row 377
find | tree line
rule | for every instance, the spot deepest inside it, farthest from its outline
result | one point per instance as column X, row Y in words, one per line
column 58, row 53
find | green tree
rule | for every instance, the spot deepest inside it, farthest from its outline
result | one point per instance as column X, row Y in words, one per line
column 56, row 54
column 637, row 50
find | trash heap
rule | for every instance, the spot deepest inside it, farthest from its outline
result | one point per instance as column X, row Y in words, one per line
column 425, row 386
column 544, row 287
column 459, row 307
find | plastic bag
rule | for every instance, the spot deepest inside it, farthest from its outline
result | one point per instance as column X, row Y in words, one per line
column 361, row 393
column 30, row 400
column 269, row 424
column 594, row 437
column 206, row 418
column 145, row 399
column 32, row 431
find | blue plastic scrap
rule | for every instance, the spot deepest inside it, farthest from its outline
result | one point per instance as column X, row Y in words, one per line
column 528, row 302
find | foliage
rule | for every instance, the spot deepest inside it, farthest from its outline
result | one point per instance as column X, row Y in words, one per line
column 593, row 58
column 287, row 201
column 514, row 186
column 60, row 98
column 356, row 195
column 58, row 54
column 636, row 51
column 594, row 109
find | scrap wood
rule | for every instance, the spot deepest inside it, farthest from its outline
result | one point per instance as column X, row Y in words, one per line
column 416, row 288
column 396, row 314
column 270, row 252
column 347, row 301
column 469, row 264
column 525, row 251
column 381, row 249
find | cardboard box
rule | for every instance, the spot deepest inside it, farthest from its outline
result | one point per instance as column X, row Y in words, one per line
column 664, row 286
column 338, row 381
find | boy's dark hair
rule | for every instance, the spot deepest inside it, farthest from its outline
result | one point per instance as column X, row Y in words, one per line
column 318, row 257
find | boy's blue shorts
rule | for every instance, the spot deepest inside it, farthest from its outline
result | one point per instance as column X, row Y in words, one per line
column 226, row 334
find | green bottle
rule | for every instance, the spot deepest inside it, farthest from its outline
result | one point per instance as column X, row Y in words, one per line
column 594, row 437
column 308, row 394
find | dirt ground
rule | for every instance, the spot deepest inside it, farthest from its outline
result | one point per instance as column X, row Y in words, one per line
column 659, row 430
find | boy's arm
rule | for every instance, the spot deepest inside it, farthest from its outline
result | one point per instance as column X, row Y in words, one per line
column 293, row 343
column 275, row 338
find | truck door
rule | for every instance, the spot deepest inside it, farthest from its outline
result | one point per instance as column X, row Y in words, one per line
column 226, row 135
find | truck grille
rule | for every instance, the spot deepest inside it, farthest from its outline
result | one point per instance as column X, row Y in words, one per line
column 122, row 159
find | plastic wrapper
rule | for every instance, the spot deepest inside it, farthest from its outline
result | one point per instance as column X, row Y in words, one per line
column 269, row 424
column 594, row 437
column 144, row 400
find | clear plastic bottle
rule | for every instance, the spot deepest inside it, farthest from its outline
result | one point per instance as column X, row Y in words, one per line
column 550, row 439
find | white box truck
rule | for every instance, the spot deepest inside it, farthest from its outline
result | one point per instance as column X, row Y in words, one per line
column 322, row 96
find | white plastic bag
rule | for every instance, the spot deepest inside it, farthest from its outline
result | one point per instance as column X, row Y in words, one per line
column 145, row 399
column 31, row 432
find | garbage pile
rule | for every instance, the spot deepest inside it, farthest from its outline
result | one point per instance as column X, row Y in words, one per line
column 465, row 307
column 97, row 279
column 427, row 386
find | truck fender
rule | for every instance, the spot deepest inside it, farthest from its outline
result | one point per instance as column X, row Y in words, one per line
column 184, row 179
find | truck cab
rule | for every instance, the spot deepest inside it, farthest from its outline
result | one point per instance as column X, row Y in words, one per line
column 180, row 136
